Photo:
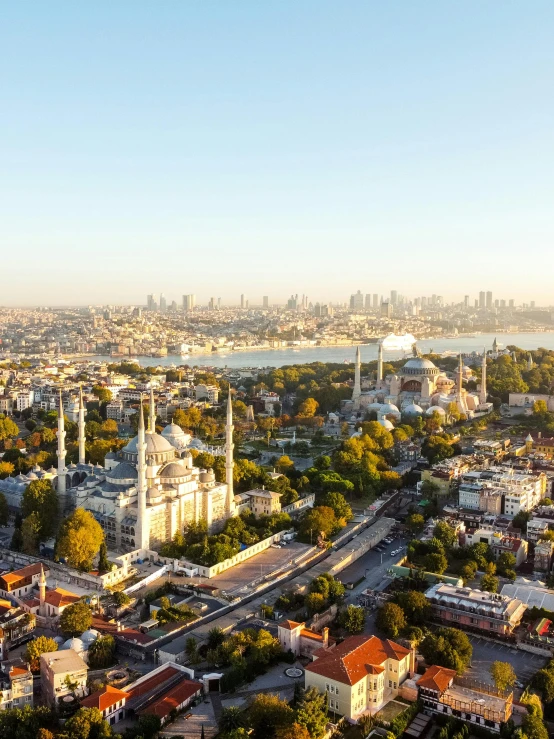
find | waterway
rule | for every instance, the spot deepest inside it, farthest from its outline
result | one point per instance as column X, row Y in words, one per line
column 338, row 354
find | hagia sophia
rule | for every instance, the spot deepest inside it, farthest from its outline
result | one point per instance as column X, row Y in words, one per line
column 418, row 389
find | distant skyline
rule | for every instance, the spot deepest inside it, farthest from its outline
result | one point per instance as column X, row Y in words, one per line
column 274, row 148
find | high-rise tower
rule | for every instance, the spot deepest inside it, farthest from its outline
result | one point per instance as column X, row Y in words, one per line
column 229, row 463
column 380, row 364
column 356, row 393
column 143, row 530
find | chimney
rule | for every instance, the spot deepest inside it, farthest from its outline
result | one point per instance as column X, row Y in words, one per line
column 325, row 634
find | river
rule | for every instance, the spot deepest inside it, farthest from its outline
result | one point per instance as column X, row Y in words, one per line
column 281, row 357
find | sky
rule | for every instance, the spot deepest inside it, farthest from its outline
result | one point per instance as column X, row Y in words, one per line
column 270, row 148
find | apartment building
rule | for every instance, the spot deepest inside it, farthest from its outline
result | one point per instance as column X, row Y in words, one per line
column 475, row 610
column 16, row 685
column 62, row 673
column 499, row 542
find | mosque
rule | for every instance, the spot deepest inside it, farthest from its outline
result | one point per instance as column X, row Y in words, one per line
column 146, row 492
column 418, row 389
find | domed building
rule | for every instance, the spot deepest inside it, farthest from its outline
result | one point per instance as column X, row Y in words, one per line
column 418, row 386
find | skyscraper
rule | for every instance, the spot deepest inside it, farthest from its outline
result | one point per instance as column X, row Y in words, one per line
column 151, row 302
column 512, row 303
column 163, row 303
column 368, row 301
column 489, row 300
column 243, row 301
column 375, row 300
column 357, row 301
column 482, row 299
column 393, row 297
column 189, row 301
column 266, row 301
column 466, row 302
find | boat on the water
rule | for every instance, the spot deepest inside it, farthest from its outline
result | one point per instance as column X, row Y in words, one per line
column 394, row 343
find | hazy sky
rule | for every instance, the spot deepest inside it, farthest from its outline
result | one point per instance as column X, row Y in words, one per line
column 275, row 147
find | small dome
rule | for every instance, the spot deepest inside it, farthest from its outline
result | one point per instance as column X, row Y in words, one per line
column 32, row 476
column 72, row 466
column 386, row 424
column 389, row 408
column 173, row 430
column 87, row 637
column 153, row 494
column 110, row 455
column 207, row 475
column 36, row 468
column 76, row 644
column 435, row 409
column 413, row 410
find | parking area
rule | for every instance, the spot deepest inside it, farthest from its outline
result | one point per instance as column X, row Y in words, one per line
column 374, row 564
column 486, row 652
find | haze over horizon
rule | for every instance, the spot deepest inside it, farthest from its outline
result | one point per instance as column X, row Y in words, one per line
column 304, row 147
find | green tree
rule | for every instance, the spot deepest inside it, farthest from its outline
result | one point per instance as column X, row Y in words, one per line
column 415, row 523
column 102, row 393
column 39, row 645
column 415, row 606
column 87, row 723
column 447, row 647
column 435, row 449
column 352, row 619
column 103, row 562
column 30, row 534
column 445, row 533
column 231, row 718
column 338, row 503
column 75, row 619
column 79, row 539
column 316, row 521
column 312, row 712
column 101, row 652
column 8, row 429
column 267, row 714
column 391, row 619
column 503, row 675
column 489, row 583
column 40, row 497
column 435, row 562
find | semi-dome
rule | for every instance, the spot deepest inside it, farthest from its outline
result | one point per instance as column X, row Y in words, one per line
column 123, row 471
column 174, row 469
column 413, row 410
column 435, row 409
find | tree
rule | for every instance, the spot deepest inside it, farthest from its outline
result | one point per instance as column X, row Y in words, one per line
column 39, row 645
column 353, row 619
column 435, row 562
column 8, row 429
column 79, row 539
column 506, row 562
column 231, row 718
column 30, row 534
column 191, row 650
column 40, row 497
column 284, row 463
column 101, row 652
column 6, row 469
column 103, row 562
column 87, row 723
column 503, row 675
column 267, row 714
column 489, row 583
column 121, row 598
column 520, row 520
column 391, row 619
column 308, row 408
column 445, row 533
column 316, row 521
column 102, row 393
column 109, row 428
column 415, row 606
column 75, row 619
column 447, row 647
column 312, row 712
column 338, row 503
column 534, row 727
column 415, row 523
column 315, row 603
column 294, row 731
column 435, row 449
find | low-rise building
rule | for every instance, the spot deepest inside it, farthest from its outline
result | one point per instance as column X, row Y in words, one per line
column 360, row 675
column 476, row 610
column 485, row 707
column 300, row 640
column 22, row 582
column 16, row 685
column 62, row 673
column 544, row 552
column 109, row 701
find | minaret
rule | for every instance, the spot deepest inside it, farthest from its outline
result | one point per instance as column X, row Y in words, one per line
column 42, row 592
column 143, row 537
column 229, row 463
column 152, row 418
column 357, row 380
column 81, row 425
column 61, row 449
column 483, row 391
column 380, row 364
column 460, row 377
column 530, row 361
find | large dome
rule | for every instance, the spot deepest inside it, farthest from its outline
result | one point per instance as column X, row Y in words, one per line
column 158, row 449
column 123, row 472
column 174, row 470
column 173, row 430
column 413, row 410
column 419, row 366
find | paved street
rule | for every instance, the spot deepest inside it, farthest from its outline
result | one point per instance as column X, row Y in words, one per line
column 486, row 652
column 373, row 566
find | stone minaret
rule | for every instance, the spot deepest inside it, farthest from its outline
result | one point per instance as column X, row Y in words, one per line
column 357, row 379
column 380, row 364
column 460, row 377
column 61, row 449
column 229, row 463
column 530, row 362
column 81, row 425
column 42, row 592
column 143, row 531
column 152, row 418
column 483, row 391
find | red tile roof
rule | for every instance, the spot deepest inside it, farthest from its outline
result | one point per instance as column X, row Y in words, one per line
column 60, row 598
column 290, row 625
column 29, row 571
column 350, row 661
column 147, row 685
column 436, row 678
column 172, row 700
column 105, row 698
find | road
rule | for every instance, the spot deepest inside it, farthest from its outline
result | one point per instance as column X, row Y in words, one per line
column 485, row 652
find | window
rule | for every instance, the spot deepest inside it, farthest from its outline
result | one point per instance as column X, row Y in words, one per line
column 336, row 691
